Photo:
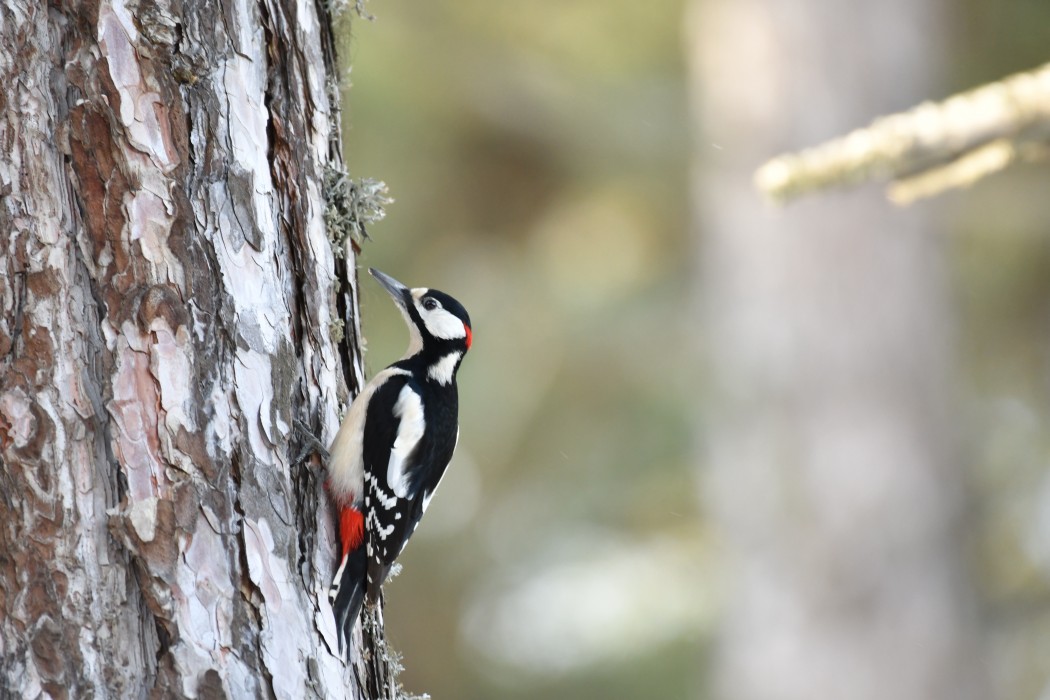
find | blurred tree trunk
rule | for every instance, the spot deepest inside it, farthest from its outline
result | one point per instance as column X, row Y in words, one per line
column 831, row 471
column 166, row 295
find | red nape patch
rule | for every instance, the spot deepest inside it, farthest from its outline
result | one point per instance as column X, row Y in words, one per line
column 351, row 529
column 467, row 329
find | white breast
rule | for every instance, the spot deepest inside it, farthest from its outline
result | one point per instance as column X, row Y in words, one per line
column 345, row 463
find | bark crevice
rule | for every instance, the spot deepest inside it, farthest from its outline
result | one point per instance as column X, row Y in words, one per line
column 166, row 295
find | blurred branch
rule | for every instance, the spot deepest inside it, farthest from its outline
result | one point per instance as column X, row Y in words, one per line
column 930, row 148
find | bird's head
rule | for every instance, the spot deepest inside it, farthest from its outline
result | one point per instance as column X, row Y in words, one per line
column 435, row 320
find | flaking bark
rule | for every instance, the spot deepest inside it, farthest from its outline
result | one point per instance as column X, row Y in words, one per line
column 166, row 296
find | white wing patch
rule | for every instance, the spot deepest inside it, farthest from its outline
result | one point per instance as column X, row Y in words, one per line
column 442, row 370
column 409, row 408
column 345, row 466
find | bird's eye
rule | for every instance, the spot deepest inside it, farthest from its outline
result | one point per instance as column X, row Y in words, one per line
column 430, row 304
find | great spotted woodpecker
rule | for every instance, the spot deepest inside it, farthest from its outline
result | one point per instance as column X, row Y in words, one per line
column 394, row 445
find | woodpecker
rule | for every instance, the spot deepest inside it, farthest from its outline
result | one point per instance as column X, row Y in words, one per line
column 393, row 447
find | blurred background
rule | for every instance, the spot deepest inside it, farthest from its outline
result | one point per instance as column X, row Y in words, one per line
column 557, row 168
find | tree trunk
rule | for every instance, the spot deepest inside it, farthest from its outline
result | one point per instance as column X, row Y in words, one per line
column 166, row 297
column 831, row 471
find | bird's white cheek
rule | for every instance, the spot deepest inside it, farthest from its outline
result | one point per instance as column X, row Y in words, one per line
column 442, row 324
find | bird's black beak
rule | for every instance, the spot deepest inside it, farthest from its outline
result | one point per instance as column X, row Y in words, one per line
column 397, row 290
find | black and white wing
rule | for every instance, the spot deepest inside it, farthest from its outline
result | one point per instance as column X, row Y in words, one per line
column 404, row 461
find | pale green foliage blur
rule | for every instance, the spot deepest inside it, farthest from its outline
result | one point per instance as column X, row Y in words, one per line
column 538, row 157
column 537, row 153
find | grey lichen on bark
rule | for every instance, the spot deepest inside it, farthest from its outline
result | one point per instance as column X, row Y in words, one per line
column 167, row 290
column 929, row 149
column 352, row 205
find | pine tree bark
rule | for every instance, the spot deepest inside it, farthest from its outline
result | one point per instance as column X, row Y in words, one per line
column 166, row 300
column 830, row 469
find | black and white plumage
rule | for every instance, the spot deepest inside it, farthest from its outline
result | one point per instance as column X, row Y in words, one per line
column 393, row 446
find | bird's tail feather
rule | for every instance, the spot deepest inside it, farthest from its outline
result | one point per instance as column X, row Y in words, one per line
column 348, row 593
